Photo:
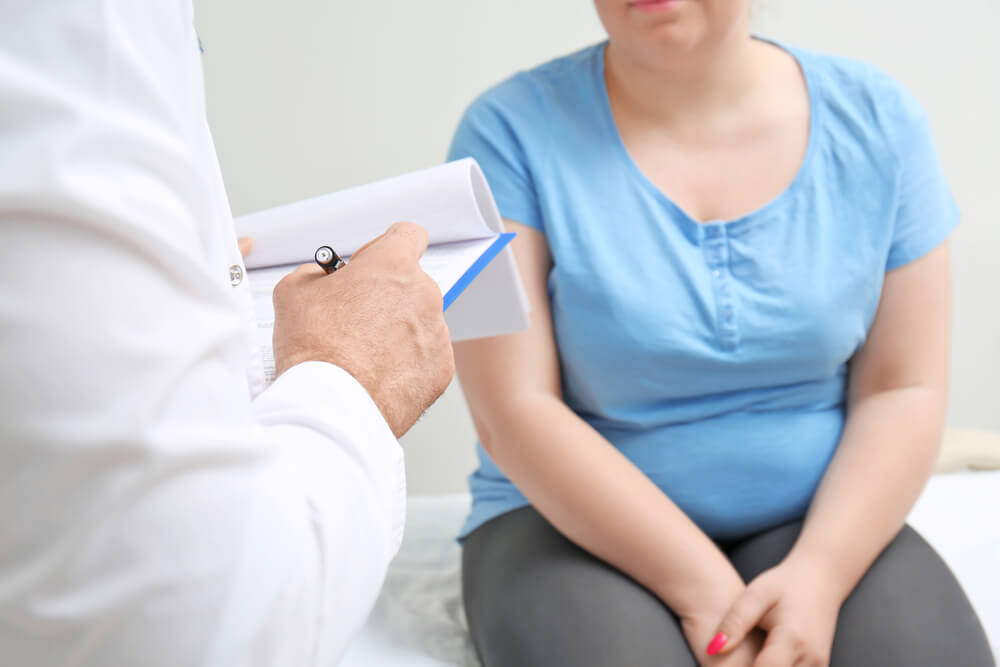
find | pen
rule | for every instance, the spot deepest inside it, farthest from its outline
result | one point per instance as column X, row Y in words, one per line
column 328, row 259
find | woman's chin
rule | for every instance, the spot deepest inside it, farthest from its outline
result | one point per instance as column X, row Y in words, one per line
column 669, row 41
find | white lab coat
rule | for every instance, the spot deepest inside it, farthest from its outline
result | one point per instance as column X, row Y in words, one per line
column 152, row 511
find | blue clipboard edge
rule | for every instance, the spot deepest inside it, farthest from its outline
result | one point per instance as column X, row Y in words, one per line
column 477, row 267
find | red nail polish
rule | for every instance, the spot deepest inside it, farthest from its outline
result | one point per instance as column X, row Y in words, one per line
column 718, row 643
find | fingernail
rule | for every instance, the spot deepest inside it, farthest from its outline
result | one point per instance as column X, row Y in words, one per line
column 717, row 643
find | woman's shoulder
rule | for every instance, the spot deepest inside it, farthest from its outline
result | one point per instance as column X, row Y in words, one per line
column 534, row 90
column 862, row 95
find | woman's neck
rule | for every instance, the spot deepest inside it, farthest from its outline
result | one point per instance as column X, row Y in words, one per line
column 694, row 88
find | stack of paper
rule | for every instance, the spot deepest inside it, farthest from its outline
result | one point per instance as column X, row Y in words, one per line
column 468, row 254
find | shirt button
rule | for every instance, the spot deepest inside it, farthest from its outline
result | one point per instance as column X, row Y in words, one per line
column 235, row 275
column 714, row 232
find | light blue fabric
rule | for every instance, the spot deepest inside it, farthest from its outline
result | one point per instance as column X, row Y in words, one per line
column 712, row 355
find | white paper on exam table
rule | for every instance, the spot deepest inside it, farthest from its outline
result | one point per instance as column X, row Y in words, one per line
column 452, row 202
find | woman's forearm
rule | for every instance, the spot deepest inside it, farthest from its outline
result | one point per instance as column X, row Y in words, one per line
column 596, row 497
column 887, row 453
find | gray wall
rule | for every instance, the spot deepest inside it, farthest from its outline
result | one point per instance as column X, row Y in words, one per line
column 308, row 96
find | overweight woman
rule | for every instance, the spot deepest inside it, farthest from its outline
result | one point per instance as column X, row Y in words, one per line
column 733, row 389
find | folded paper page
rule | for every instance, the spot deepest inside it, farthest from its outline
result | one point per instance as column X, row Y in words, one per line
column 468, row 253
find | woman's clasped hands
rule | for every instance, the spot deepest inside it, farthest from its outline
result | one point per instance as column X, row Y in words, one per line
column 786, row 617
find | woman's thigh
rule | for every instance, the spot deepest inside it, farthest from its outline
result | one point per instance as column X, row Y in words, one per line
column 908, row 610
column 534, row 599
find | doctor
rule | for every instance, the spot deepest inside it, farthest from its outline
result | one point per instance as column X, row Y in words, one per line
column 158, row 505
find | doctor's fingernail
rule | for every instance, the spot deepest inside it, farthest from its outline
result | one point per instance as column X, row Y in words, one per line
column 718, row 643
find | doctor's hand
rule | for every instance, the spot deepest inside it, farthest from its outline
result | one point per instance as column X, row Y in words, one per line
column 380, row 318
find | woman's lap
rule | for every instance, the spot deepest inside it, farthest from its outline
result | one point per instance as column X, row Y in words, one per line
column 534, row 598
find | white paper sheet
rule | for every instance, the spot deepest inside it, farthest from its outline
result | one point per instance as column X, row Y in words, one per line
column 445, row 263
column 452, row 202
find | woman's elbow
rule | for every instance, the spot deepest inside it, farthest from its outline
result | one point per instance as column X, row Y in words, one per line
column 518, row 422
column 501, row 425
column 488, row 435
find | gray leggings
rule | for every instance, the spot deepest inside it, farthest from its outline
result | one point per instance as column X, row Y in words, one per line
column 535, row 599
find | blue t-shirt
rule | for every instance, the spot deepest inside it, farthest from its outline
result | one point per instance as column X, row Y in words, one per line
column 713, row 356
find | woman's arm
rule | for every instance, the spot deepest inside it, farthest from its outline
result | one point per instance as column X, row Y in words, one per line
column 895, row 417
column 581, row 483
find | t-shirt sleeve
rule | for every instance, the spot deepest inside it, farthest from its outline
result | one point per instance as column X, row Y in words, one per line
column 925, row 212
column 494, row 132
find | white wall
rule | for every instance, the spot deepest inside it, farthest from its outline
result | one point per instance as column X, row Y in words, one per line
column 308, row 96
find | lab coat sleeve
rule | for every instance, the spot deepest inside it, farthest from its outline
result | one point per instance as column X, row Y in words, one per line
column 358, row 513
column 150, row 512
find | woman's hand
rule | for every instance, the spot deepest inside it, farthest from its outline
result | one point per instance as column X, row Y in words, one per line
column 796, row 608
column 699, row 631
column 700, row 621
column 246, row 245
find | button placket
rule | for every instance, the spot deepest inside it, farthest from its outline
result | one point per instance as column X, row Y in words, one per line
column 716, row 248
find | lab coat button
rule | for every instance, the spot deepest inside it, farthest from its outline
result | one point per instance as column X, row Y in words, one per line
column 235, row 274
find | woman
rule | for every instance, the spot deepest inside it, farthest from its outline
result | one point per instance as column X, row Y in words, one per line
column 677, row 467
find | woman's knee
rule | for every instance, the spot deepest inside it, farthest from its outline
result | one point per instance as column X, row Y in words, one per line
column 909, row 610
